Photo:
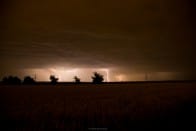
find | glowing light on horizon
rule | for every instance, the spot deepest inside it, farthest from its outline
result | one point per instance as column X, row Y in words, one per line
column 85, row 74
column 121, row 77
column 67, row 74
column 107, row 74
column 63, row 74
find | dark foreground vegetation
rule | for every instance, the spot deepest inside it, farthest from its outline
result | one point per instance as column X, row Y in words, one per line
column 85, row 107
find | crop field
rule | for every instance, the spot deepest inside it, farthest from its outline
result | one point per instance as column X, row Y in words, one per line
column 85, row 107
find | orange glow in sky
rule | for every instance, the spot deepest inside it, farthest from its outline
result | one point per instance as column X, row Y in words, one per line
column 67, row 74
column 121, row 77
column 85, row 74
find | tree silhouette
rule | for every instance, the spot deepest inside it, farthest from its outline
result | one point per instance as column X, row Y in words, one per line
column 5, row 80
column 13, row 80
column 77, row 80
column 53, row 79
column 97, row 78
column 28, row 80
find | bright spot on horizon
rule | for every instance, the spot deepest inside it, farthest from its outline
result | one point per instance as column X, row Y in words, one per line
column 64, row 74
column 107, row 74
column 121, row 77
column 85, row 74
column 67, row 74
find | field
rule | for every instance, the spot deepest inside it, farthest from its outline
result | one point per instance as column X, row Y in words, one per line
column 85, row 107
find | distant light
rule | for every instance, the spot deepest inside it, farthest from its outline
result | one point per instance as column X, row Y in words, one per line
column 121, row 77
column 65, row 74
column 107, row 74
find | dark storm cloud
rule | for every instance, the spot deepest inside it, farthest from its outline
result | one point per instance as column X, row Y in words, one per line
column 132, row 35
column 92, row 51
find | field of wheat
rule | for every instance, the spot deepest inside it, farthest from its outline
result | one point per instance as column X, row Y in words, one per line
column 83, row 107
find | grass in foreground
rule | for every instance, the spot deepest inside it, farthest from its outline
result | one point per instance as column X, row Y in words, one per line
column 128, row 106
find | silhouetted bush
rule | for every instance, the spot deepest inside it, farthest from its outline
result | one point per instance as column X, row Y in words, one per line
column 5, row 80
column 28, row 80
column 97, row 78
column 53, row 79
column 77, row 80
column 12, row 80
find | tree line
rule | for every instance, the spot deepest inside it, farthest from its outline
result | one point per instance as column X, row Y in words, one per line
column 97, row 78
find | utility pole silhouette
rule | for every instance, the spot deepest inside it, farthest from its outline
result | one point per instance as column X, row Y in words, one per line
column 146, row 76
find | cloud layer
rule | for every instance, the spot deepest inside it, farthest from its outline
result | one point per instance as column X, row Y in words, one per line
column 128, row 36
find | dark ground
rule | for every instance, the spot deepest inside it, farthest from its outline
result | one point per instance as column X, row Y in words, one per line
column 83, row 107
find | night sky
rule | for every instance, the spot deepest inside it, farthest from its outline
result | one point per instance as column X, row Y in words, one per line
column 122, row 39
